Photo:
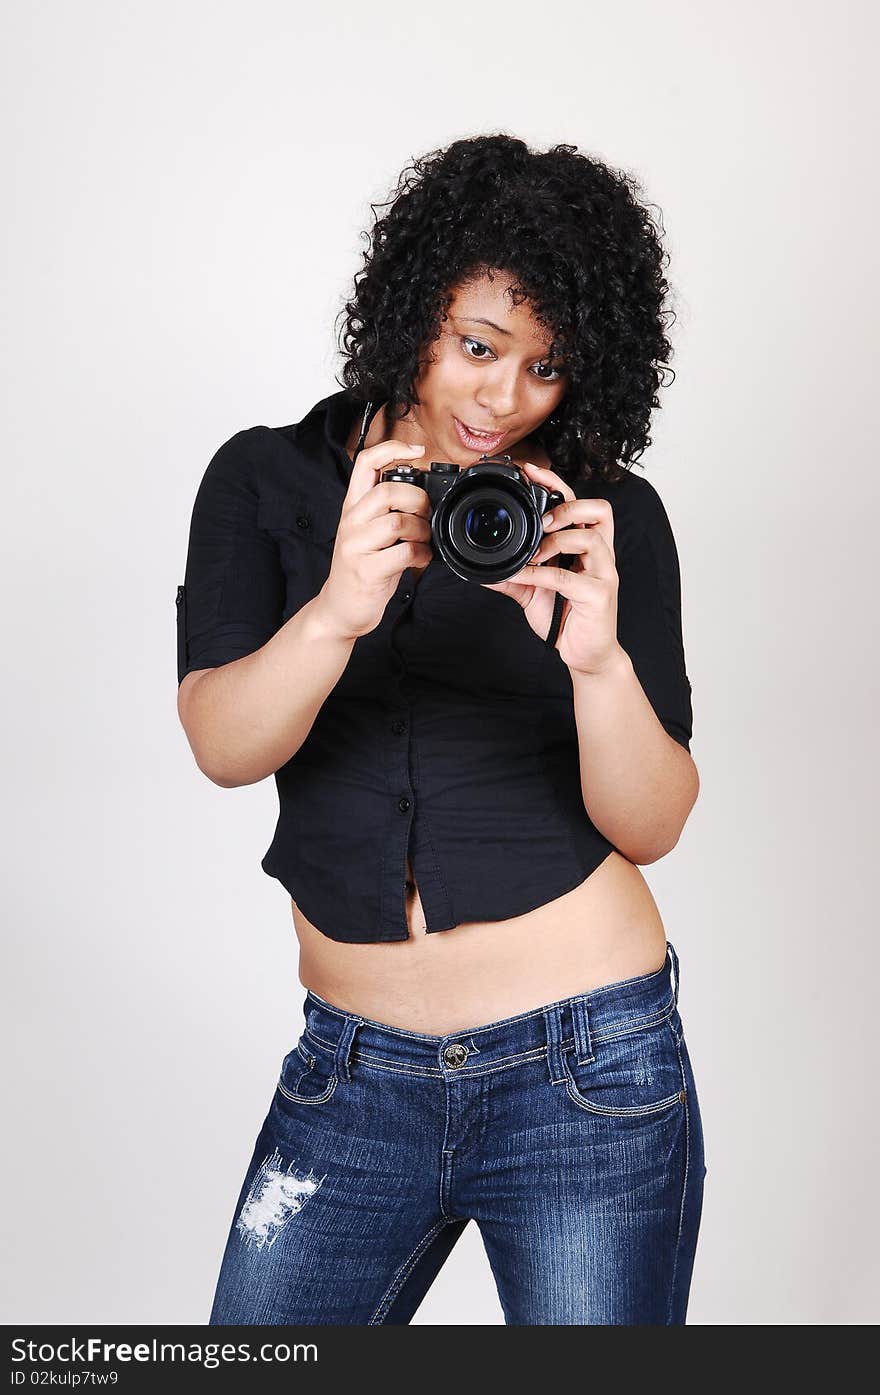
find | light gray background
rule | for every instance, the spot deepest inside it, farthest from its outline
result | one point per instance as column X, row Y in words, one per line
column 186, row 185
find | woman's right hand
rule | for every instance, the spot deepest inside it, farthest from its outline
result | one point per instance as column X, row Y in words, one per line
column 375, row 545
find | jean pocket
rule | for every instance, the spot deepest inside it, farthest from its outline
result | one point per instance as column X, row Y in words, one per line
column 307, row 1076
column 633, row 1072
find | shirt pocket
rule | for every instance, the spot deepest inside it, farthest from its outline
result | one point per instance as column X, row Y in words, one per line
column 299, row 518
column 303, row 528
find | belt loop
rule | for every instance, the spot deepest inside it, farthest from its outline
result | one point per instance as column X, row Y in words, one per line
column 674, row 957
column 343, row 1046
column 553, row 1025
column 582, row 1042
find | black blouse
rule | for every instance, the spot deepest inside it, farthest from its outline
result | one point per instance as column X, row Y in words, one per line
column 451, row 732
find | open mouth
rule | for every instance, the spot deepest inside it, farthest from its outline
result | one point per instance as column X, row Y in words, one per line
column 482, row 441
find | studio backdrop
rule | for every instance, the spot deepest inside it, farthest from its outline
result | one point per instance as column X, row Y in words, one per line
column 187, row 188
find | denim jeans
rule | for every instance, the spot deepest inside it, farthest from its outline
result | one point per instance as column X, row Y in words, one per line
column 571, row 1135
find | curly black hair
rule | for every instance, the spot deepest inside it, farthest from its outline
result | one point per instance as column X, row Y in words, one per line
column 579, row 246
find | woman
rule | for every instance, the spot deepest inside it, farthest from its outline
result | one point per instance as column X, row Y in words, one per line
column 469, row 773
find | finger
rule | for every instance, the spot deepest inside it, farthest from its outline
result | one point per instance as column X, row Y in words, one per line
column 386, row 500
column 393, row 560
column 382, row 456
column 394, row 496
column 548, row 478
column 588, row 542
column 572, row 585
column 390, row 527
column 592, row 513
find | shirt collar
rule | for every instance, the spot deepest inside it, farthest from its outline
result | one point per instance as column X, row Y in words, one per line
column 340, row 410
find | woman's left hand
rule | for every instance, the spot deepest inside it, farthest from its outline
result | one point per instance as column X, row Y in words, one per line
column 587, row 640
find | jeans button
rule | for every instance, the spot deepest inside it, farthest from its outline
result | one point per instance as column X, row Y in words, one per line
column 456, row 1054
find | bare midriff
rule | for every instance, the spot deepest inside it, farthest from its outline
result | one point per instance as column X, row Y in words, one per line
column 607, row 929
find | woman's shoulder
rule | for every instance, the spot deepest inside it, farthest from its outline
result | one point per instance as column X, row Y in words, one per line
column 270, row 460
column 635, row 503
column 640, row 516
column 632, row 494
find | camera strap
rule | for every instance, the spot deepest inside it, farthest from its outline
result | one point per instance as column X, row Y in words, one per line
column 369, row 412
column 558, row 607
column 565, row 561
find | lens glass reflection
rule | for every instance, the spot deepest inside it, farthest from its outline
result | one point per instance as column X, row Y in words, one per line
column 488, row 526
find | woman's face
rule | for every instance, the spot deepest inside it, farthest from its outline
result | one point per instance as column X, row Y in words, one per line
column 492, row 377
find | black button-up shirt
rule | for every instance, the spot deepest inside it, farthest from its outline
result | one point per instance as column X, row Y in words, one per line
column 451, row 733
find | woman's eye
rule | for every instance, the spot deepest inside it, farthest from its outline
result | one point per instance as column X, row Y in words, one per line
column 555, row 373
column 477, row 343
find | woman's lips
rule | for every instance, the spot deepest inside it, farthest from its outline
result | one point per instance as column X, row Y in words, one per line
column 485, row 444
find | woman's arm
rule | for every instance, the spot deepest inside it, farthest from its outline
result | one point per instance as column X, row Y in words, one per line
column 638, row 783
column 245, row 719
column 622, row 641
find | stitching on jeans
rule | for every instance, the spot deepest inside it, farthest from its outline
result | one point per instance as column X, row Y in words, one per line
column 424, row 1073
column 308, row 1099
column 687, row 1161
column 628, row 1027
column 658, row 1014
column 635, row 1024
column 507, row 1062
column 472, row 1074
column 533, row 1054
column 635, row 1112
column 403, row 1274
column 322, row 1041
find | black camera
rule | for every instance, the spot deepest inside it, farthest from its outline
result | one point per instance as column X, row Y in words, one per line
column 486, row 518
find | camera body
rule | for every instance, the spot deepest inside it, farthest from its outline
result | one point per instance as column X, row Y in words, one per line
column 485, row 518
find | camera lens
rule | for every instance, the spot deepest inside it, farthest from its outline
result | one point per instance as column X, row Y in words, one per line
column 488, row 526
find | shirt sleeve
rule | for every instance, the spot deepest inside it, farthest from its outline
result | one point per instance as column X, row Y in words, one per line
column 232, row 597
column 649, row 624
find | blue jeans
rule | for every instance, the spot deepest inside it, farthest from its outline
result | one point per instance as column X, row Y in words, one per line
column 571, row 1135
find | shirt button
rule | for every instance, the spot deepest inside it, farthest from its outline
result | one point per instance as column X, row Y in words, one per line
column 398, row 727
column 403, row 804
column 303, row 522
column 406, row 596
column 456, row 1054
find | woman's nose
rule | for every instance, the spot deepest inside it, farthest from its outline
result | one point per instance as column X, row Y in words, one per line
column 497, row 400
